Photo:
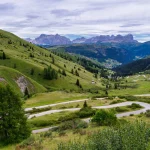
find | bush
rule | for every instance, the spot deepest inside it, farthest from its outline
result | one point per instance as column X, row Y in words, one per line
column 43, row 123
column 134, row 106
column 121, row 109
column 73, row 124
column 117, row 101
column 71, row 116
column 130, row 136
column 104, row 117
column 129, row 98
column 35, row 110
column 147, row 113
column 85, row 112
column 47, row 134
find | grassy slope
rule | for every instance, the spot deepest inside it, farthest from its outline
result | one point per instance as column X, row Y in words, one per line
column 11, row 75
column 53, row 97
column 19, row 55
column 141, row 82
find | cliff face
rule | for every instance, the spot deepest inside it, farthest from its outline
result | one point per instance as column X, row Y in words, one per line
column 44, row 39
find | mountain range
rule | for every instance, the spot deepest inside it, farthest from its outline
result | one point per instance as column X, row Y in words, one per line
column 57, row 39
column 111, row 51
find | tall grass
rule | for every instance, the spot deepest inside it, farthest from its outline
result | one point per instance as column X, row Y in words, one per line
column 131, row 136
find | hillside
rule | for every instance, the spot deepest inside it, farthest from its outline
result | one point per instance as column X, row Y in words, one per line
column 100, row 52
column 30, row 60
column 134, row 67
column 19, row 81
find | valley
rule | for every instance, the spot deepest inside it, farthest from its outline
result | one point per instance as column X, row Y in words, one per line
column 64, row 87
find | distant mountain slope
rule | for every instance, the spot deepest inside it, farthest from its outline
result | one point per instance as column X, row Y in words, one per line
column 142, row 50
column 134, row 67
column 79, row 40
column 100, row 52
column 44, row 39
column 30, row 60
column 57, row 39
column 114, row 39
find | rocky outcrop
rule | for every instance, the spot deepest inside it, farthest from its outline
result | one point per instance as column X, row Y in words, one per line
column 79, row 40
column 114, row 39
column 44, row 39
column 57, row 39
column 2, row 79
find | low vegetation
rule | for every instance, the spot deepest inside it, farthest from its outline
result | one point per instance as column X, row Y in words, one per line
column 129, row 136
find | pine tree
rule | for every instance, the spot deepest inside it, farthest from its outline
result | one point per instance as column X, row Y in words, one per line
column 32, row 71
column 72, row 71
column 13, row 122
column 26, row 93
column 53, row 60
column 15, row 66
column 77, row 74
column 85, row 104
column 50, row 73
column 78, row 82
column 106, row 92
column 64, row 73
column 4, row 56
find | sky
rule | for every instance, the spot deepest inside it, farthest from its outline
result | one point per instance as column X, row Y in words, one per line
column 76, row 18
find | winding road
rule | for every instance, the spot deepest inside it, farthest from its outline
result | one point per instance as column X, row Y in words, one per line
column 145, row 106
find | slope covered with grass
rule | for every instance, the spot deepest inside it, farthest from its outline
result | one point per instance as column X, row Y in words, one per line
column 19, row 81
column 31, row 60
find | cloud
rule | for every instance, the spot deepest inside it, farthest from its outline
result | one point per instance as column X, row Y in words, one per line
column 6, row 6
column 65, row 12
column 31, row 18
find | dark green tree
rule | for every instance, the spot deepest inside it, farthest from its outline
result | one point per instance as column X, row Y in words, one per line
column 85, row 104
column 76, row 73
column 15, row 66
column 106, row 92
column 13, row 122
column 32, row 71
column 78, row 82
column 4, row 56
column 115, row 86
column 26, row 93
column 64, row 73
column 104, row 118
column 50, row 73
column 72, row 71
column 53, row 60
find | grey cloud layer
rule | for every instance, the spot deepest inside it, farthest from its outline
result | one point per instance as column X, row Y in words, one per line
column 31, row 17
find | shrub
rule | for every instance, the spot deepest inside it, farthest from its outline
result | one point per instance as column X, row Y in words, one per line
column 121, row 109
column 104, row 117
column 129, row 98
column 47, row 134
column 134, row 106
column 42, row 123
column 117, row 101
column 71, row 116
column 73, row 124
column 85, row 112
column 147, row 113
column 62, row 133
column 32, row 143
column 130, row 136
column 35, row 110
